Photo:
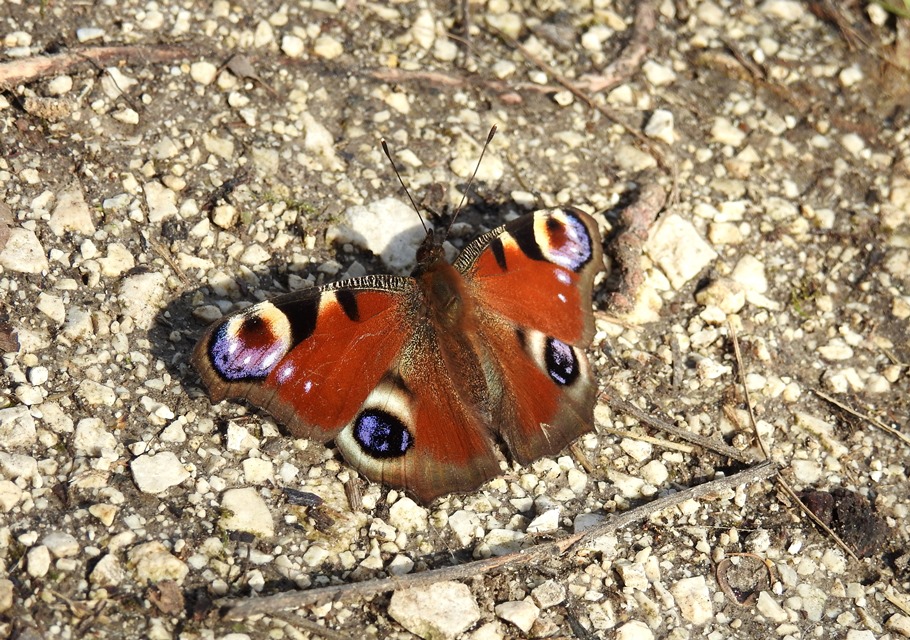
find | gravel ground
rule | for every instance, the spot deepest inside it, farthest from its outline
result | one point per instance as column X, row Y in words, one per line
column 224, row 152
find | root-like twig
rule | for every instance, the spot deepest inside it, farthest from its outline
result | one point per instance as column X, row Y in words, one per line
column 28, row 70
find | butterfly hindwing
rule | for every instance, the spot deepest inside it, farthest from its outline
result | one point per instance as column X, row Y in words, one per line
column 532, row 281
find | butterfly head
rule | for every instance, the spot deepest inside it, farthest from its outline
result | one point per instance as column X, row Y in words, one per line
column 430, row 252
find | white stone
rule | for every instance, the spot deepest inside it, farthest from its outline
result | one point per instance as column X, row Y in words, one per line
column 440, row 611
column 264, row 34
column 634, row 630
column 521, row 613
column 107, row 572
column 239, row 439
column 490, row 170
column 750, row 273
column 39, row 561
column 92, row 437
column 104, row 512
column 61, row 544
column 327, row 47
column 655, row 473
column 548, row 594
column 853, row 143
column 71, row 213
column 899, row 623
column 503, row 541
column 203, row 72
column 836, row 350
column 141, row 296
column 315, row 556
column 23, row 252
column 320, row 141
column 245, row 510
column 400, row 565
column 158, row 473
column 115, row 83
column 292, row 46
column 786, row 10
column 678, row 249
column 118, row 260
column 38, row 375
column 95, row 393
column 388, row 228
column 407, row 516
column 29, row 395
column 152, row 562
column 126, row 116
column 547, row 521
column 15, row 465
column 87, row 34
column 221, row 147
column 660, row 126
column 723, row 293
column 52, row 306
column 17, row 428
column 161, row 201
column 693, row 599
column 255, row 254
column 258, row 471
column 423, row 30
column 768, row 607
column 725, row 132
column 632, row 159
column 658, row 74
column 10, row 495
column 632, row 574
column 464, row 525
column 164, row 149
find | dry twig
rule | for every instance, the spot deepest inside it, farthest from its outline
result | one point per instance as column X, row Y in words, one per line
column 632, row 56
column 873, row 421
column 710, row 444
column 28, row 70
column 244, row 608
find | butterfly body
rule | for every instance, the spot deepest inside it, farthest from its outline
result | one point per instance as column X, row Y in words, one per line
column 417, row 379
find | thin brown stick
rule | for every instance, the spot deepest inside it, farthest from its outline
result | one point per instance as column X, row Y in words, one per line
column 243, row 608
column 873, row 421
column 720, row 448
column 28, row 70
column 742, row 380
column 632, row 55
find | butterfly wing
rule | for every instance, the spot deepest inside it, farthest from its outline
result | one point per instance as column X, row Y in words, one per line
column 532, row 281
column 354, row 362
column 310, row 358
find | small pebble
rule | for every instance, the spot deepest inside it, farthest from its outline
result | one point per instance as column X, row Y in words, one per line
column 157, row 473
column 693, row 599
column 245, row 510
column 292, row 46
column 443, row 610
column 521, row 613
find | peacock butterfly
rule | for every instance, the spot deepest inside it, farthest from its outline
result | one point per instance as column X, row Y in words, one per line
column 417, row 378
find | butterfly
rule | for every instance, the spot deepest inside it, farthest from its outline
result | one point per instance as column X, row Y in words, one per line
column 419, row 378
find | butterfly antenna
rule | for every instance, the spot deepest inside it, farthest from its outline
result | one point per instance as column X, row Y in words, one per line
column 467, row 190
column 385, row 147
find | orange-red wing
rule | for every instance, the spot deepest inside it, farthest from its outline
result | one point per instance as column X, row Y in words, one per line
column 309, row 358
column 538, row 271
